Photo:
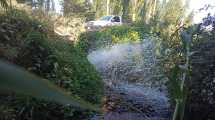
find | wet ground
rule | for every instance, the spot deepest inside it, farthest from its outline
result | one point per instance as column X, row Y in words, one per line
column 135, row 90
column 134, row 102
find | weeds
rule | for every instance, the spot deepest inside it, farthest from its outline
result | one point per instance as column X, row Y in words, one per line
column 180, row 74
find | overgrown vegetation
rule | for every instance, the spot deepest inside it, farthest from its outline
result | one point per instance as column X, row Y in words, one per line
column 112, row 35
column 30, row 44
column 176, row 59
column 28, row 39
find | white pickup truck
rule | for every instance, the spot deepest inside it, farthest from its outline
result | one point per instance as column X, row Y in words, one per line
column 104, row 21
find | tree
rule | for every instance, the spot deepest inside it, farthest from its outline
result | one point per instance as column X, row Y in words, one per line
column 115, row 7
column 150, row 9
column 125, row 10
column 108, row 7
column 172, row 14
column 171, row 18
column 49, row 5
column 4, row 3
column 134, row 7
column 74, row 7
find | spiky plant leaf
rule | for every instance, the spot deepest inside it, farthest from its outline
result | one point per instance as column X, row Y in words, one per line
column 174, row 83
column 13, row 78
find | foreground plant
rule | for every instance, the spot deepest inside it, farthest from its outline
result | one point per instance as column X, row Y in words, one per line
column 180, row 74
column 13, row 78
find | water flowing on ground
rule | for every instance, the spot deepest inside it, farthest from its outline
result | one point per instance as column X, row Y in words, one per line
column 135, row 84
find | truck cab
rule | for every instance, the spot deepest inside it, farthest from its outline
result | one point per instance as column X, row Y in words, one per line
column 111, row 20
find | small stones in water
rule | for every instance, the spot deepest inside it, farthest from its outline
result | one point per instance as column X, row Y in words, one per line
column 115, row 102
column 111, row 103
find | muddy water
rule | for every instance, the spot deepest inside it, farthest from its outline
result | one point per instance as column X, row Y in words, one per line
column 135, row 87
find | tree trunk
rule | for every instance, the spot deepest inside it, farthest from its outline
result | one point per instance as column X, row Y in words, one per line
column 154, row 8
column 134, row 7
column 150, row 10
column 108, row 7
column 47, row 5
column 125, row 12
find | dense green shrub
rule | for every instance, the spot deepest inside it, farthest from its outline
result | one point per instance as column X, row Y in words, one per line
column 50, row 56
column 74, row 72
column 112, row 35
column 31, row 45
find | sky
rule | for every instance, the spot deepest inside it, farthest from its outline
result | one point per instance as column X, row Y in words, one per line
column 197, row 4
column 58, row 7
column 194, row 6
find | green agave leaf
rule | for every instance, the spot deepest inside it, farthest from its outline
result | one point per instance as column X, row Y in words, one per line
column 174, row 83
column 186, row 39
column 15, row 79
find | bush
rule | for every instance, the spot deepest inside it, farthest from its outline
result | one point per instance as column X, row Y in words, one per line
column 111, row 35
column 28, row 43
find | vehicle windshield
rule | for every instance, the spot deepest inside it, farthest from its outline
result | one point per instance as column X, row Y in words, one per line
column 105, row 18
